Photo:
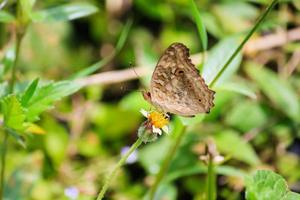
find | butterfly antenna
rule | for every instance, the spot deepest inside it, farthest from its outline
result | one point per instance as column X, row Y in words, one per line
column 143, row 89
column 131, row 66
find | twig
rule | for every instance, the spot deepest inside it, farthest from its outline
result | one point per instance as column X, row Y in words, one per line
column 292, row 64
column 113, row 76
column 254, row 45
column 272, row 40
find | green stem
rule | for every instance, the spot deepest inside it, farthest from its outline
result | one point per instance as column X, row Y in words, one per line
column 13, row 72
column 211, row 180
column 121, row 162
column 166, row 163
column 259, row 21
column 19, row 37
column 3, row 159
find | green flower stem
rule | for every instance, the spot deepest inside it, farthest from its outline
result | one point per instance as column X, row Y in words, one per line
column 19, row 38
column 121, row 162
column 3, row 159
column 166, row 163
column 20, row 31
column 211, row 180
column 259, row 21
column 5, row 140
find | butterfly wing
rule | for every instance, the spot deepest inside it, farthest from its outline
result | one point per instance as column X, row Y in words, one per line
column 176, row 85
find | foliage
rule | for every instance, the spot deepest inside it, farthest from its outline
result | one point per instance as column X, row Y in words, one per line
column 73, row 130
column 268, row 185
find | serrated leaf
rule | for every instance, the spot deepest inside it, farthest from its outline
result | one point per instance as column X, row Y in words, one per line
column 29, row 92
column 13, row 113
column 278, row 90
column 64, row 13
column 6, row 17
column 266, row 185
column 45, row 96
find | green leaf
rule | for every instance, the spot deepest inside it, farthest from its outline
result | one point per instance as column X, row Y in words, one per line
column 27, row 5
column 200, row 25
column 266, row 185
column 255, row 117
column 6, row 17
column 165, row 191
column 230, row 143
column 26, row 11
column 149, row 157
column 19, row 138
column 202, row 169
column 279, row 91
column 292, row 196
column 189, row 121
column 240, row 86
column 45, row 96
column 55, row 141
column 13, row 113
column 217, row 58
column 29, row 92
column 64, row 13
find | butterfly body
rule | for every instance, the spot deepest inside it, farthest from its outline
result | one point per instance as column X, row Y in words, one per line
column 176, row 85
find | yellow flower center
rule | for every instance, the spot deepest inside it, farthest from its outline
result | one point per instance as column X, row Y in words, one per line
column 158, row 119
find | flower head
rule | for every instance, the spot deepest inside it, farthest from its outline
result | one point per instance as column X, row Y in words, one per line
column 156, row 123
column 158, row 120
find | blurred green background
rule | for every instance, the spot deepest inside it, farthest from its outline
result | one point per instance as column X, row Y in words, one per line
column 255, row 120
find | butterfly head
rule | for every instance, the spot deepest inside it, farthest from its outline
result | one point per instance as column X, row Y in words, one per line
column 147, row 96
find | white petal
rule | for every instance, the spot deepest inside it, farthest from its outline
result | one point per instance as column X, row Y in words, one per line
column 144, row 113
column 156, row 130
column 165, row 129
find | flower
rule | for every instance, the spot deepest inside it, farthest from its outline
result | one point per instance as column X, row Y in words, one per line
column 72, row 192
column 157, row 120
column 133, row 156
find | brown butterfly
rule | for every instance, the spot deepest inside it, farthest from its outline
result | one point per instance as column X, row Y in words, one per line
column 176, row 85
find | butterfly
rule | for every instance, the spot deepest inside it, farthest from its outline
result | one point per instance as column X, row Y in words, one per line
column 176, row 85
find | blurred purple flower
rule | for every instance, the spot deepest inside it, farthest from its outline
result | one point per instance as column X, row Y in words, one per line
column 132, row 158
column 72, row 192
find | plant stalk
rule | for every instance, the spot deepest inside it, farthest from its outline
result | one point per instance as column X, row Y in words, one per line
column 121, row 162
column 3, row 161
column 211, row 179
column 19, row 37
column 259, row 21
column 166, row 163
